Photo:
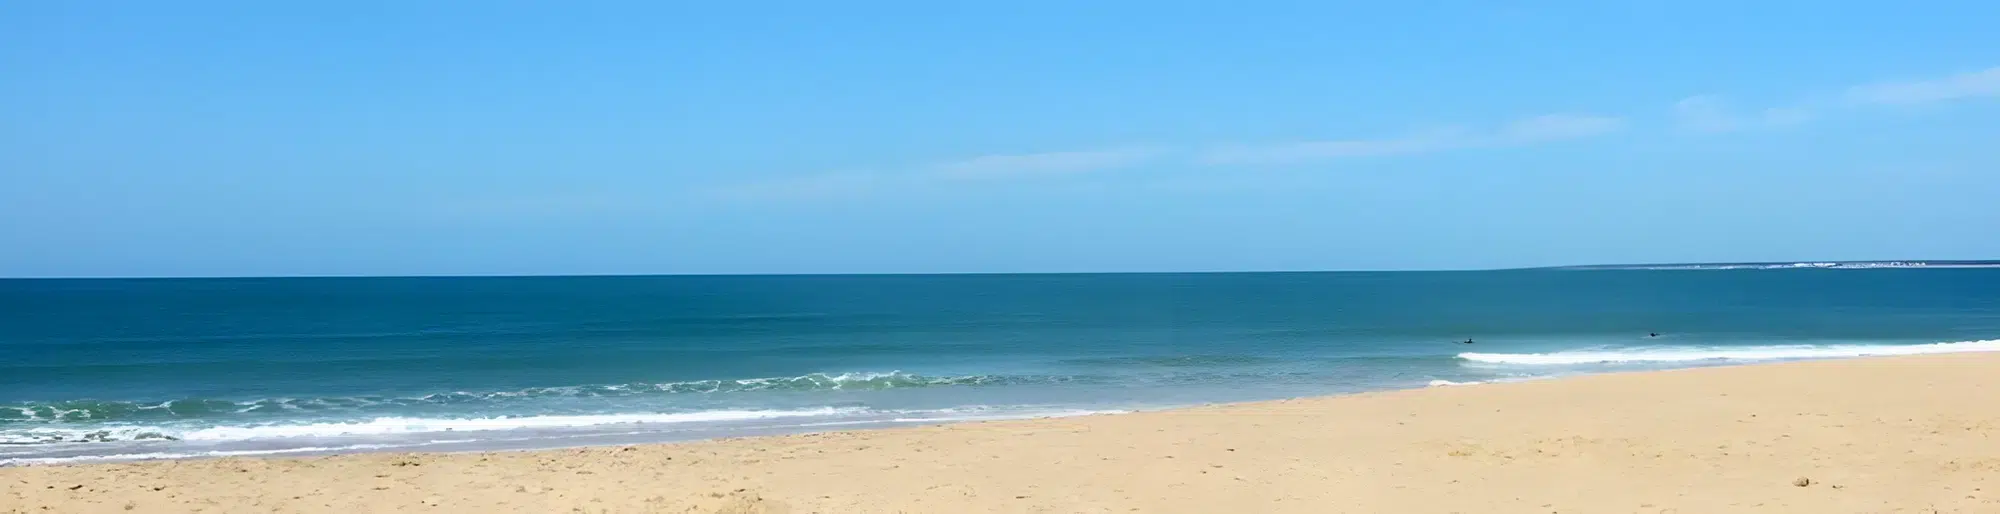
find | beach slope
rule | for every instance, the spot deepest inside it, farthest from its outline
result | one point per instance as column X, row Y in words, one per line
column 1901, row 434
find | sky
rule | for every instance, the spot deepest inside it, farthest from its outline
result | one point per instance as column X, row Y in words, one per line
column 255, row 138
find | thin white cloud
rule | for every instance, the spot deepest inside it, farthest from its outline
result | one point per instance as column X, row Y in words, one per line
column 1321, row 150
column 1042, row 164
column 1976, row 84
column 1698, row 114
column 1710, row 114
column 985, row 167
column 1554, row 127
column 1536, row 130
column 544, row 204
column 803, row 187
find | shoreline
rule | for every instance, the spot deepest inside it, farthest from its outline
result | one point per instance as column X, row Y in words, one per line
column 1874, row 434
column 645, row 438
column 515, row 432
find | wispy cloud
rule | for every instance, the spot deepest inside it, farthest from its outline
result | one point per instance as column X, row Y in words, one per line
column 1710, row 114
column 1706, row 113
column 544, row 204
column 984, row 168
column 1539, row 129
column 1553, row 127
column 1042, row 164
column 801, row 187
column 1319, row 150
column 1977, row 84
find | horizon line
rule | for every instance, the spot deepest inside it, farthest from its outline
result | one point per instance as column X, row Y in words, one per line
column 1577, row 267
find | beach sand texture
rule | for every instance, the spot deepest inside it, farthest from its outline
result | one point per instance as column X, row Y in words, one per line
column 1901, row 434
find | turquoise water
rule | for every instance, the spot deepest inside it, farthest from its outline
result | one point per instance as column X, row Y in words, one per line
column 123, row 369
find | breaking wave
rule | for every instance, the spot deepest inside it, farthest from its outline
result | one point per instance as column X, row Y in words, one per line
column 313, row 437
column 100, row 411
column 1687, row 354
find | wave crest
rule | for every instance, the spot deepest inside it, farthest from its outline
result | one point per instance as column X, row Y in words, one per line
column 1671, row 354
column 433, row 427
column 98, row 411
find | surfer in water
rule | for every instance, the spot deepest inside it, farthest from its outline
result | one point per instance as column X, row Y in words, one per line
column 1653, row 334
column 1467, row 341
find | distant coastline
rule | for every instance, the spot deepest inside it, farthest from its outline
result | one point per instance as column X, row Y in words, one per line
column 1790, row 265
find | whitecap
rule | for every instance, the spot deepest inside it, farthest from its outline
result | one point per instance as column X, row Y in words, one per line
column 1672, row 354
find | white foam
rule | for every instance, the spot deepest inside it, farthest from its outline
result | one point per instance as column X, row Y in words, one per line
column 389, row 426
column 401, row 426
column 392, row 426
column 124, row 457
column 82, row 435
column 1446, row 383
column 1669, row 354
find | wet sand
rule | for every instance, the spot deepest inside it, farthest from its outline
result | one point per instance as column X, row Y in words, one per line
column 1899, row 434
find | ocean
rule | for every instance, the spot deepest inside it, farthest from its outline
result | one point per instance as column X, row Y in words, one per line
column 104, row 370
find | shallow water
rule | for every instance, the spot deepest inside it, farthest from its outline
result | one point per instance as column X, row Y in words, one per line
column 125, row 369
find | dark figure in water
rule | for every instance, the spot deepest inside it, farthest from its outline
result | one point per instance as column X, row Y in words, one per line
column 1654, row 334
column 1468, row 341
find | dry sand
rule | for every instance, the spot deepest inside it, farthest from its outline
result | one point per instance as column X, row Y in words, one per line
column 1904, row 434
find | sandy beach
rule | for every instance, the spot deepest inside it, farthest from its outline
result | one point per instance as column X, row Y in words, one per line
column 1901, row 434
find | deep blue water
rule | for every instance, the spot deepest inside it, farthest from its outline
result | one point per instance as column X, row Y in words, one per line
column 185, row 367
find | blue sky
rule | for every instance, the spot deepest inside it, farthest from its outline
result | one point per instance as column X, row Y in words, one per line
column 343, row 138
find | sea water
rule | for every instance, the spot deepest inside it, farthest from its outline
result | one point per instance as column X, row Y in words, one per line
column 98, row 370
